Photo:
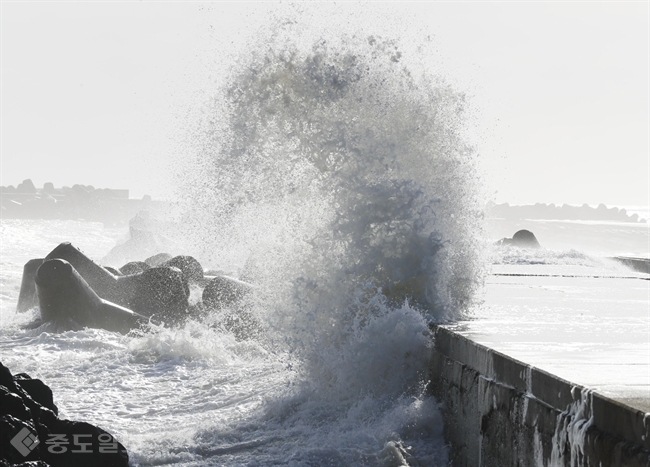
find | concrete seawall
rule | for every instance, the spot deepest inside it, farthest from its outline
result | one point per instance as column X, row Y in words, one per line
column 501, row 412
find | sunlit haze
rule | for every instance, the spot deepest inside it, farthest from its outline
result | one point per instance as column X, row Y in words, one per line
column 97, row 93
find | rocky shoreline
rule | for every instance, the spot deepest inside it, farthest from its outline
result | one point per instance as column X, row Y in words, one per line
column 32, row 434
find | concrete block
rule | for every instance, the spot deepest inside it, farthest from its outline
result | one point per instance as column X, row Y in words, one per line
column 504, row 413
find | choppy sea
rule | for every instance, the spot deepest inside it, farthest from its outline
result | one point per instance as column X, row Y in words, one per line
column 335, row 177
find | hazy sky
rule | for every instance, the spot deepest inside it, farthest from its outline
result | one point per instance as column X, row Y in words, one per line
column 95, row 93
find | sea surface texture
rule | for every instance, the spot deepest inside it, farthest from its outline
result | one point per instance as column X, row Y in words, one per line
column 197, row 396
column 335, row 178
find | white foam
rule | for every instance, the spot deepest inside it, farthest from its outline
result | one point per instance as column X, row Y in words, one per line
column 334, row 176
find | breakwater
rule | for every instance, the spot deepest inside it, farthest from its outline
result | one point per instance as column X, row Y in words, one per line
column 502, row 412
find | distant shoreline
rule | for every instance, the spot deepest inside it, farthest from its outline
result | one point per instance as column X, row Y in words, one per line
column 565, row 212
column 114, row 206
column 79, row 202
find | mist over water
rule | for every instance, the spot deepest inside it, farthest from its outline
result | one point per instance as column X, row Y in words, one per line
column 346, row 162
column 334, row 175
column 329, row 166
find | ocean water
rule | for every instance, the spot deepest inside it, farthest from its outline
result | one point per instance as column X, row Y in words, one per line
column 335, row 177
column 197, row 396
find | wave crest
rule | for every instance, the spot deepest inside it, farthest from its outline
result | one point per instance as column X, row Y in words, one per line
column 336, row 177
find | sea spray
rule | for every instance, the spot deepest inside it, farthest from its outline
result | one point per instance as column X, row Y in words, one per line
column 332, row 175
column 335, row 177
column 336, row 163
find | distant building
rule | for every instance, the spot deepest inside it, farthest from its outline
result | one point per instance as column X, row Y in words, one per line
column 79, row 202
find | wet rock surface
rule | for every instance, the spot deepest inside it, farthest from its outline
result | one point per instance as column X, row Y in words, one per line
column 163, row 293
column 31, row 434
column 157, row 260
column 133, row 267
column 75, row 292
column 190, row 267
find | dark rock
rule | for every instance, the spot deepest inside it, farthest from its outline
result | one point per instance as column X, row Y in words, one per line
column 66, row 299
column 190, row 267
column 29, row 431
column 12, row 404
column 7, row 379
column 117, row 289
column 164, row 293
column 521, row 239
column 157, row 260
column 112, row 270
column 40, row 415
column 102, row 281
column 37, row 390
column 29, row 448
column 525, row 239
column 74, row 291
column 223, row 292
column 134, row 267
column 82, row 436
